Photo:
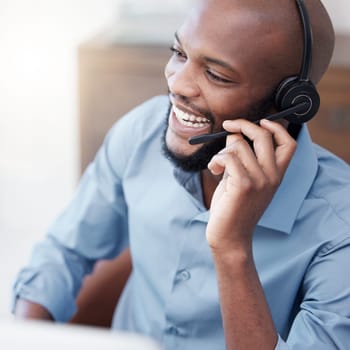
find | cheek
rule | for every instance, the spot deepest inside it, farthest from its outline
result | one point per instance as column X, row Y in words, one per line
column 167, row 70
column 224, row 106
column 230, row 104
column 170, row 68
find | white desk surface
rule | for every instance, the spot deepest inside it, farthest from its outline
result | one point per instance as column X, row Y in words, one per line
column 32, row 335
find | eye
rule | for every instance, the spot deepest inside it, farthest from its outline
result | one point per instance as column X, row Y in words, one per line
column 177, row 53
column 217, row 78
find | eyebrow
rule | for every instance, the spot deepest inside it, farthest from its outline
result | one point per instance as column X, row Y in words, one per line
column 212, row 60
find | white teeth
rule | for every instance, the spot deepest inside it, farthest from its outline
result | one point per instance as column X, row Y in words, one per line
column 190, row 119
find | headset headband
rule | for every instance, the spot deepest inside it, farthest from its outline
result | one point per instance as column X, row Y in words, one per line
column 307, row 55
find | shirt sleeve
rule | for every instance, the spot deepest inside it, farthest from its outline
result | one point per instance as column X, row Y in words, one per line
column 323, row 320
column 94, row 226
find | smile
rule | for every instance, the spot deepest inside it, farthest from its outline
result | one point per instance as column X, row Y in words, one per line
column 190, row 120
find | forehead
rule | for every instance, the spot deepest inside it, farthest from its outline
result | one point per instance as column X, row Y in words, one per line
column 243, row 35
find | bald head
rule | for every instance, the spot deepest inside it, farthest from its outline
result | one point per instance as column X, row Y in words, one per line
column 278, row 26
column 289, row 21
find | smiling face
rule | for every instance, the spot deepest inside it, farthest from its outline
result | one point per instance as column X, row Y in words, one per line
column 224, row 66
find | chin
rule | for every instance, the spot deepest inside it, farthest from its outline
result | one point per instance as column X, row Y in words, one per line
column 187, row 157
column 179, row 146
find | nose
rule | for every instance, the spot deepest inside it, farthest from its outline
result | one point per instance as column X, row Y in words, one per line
column 182, row 79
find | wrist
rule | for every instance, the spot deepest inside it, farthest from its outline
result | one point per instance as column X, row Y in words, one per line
column 236, row 244
column 240, row 256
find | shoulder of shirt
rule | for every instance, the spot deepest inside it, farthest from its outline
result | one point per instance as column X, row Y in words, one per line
column 136, row 134
column 143, row 121
column 332, row 185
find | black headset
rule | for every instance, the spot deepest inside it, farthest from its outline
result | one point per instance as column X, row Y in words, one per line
column 299, row 90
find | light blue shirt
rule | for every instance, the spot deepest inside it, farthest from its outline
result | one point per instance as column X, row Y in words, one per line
column 132, row 195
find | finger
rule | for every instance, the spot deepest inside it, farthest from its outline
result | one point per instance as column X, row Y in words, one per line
column 285, row 145
column 231, row 167
column 238, row 146
column 263, row 143
column 216, row 165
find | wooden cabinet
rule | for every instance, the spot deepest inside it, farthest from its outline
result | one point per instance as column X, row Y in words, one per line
column 113, row 78
column 331, row 127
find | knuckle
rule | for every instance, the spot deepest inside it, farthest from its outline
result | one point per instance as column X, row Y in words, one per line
column 225, row 157
column 265, row 133
column 239, row 145
column 246, row 184
column 275, row 181
column 221, row 159
column 294, row 145
column 259, row 186
column 233, row 137
column 232, row 140
column 236, row 146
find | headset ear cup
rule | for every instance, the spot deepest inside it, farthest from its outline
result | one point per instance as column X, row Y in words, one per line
column 292, row 92
column 284, row 87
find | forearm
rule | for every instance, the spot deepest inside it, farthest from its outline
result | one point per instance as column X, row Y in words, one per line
column 249, row 179
column 100, row 292
column 28, row 310
column 246, row 316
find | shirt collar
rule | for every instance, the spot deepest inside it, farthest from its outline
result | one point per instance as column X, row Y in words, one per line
column 281, row 214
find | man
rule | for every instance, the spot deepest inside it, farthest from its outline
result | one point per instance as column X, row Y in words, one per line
column 241, row 243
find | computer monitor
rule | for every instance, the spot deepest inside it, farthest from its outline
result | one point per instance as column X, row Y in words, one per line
column 33, row 335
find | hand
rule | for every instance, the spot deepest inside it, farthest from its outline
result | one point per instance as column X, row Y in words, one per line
column 249, row 180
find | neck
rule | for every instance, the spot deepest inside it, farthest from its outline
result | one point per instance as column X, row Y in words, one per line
column 209, row 184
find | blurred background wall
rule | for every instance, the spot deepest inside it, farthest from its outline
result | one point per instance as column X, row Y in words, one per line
column 39, row 129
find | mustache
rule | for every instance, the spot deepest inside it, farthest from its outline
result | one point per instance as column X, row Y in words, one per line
column 185, row 101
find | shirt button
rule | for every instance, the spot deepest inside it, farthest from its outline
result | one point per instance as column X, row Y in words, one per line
column 183, row 275
column 173, row 330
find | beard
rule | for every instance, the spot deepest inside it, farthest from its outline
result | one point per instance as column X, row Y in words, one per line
column 200, row 159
